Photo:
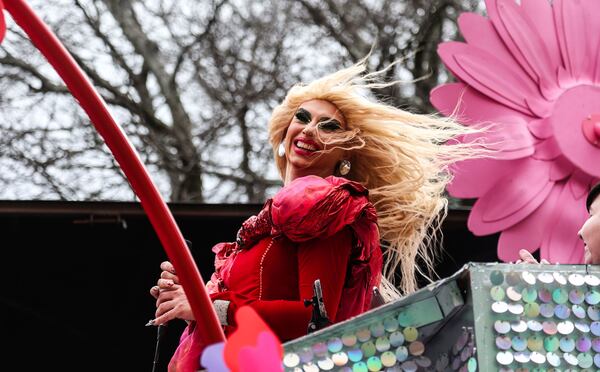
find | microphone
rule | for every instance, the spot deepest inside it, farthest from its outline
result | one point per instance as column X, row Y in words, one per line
column 160, row 332
column 319, row 317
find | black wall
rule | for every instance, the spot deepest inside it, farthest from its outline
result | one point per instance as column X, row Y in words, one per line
column 76, row 278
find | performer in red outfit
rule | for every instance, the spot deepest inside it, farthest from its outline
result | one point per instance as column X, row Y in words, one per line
column 294, row 241
column 323, row 226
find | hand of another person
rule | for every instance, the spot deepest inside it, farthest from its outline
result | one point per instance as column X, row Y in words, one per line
column 527, row 258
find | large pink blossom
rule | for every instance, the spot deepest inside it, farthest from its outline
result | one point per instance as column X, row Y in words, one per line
column 532, row 72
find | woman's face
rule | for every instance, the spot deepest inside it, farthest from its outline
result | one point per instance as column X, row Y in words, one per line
column 314, row 123
column 590, row 233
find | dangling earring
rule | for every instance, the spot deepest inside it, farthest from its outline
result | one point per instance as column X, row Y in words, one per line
column 344, row 167
column 281, row 150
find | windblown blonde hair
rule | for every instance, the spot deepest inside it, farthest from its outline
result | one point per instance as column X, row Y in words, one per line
column 402, row 158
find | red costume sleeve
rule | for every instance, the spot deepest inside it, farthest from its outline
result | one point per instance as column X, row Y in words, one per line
column 324, row 259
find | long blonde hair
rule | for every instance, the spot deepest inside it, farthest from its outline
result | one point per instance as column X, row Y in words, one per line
column 402, row 158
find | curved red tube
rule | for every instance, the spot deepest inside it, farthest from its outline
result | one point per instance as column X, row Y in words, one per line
column 155, row 207
column 2, row 22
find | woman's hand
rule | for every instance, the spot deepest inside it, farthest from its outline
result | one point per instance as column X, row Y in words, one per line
column 171, row 301
column 168, row 273
column 527, row 258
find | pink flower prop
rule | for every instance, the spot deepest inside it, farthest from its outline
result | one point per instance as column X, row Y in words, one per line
column 531, row 73
column 2, row 22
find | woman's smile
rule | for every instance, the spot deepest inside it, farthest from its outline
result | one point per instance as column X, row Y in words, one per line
column 306, row 147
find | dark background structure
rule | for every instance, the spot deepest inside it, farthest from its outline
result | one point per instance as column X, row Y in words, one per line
column 76, row 278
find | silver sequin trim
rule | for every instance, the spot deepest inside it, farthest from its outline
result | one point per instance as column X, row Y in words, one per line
column 221, row 307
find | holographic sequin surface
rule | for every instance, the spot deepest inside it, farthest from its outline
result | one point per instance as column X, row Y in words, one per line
column 496, row 317
column 547, row 320
column 383, row 345
column 391, row 338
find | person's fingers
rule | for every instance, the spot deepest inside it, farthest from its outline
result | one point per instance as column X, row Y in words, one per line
column 167, row 266
column 154, row 291
column 169, row 275
column 161, row 320
column 164, row 308
column 527, row 257
column 167, row 296
column 165, row 284
column 524, row 254
column 164, row 316
column 176, row 308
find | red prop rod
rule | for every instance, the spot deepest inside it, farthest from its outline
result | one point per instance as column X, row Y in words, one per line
column 156, row 209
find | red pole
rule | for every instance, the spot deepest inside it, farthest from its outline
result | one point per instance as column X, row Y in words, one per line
column 156, row 209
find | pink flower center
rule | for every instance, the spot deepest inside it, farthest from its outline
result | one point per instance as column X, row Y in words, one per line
column 591, row 129
column 575, row 121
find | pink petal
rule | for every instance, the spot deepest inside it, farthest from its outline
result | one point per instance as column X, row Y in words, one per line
column 528, row 234
column 508, row 137
column 530, row 45
column 541, row 12
column 547, row 150
column 487, row 172
column 507, row 132
column 591, row 9
column 541, row 128
column 561, row 244
column 579, row 184
column 519, row 189
column 561, row 168
column 596, row 66
column 569, row 16
column 479, row 31
column 512, row 199
column 566, row 79
column 487, row 74
column 469, row 106
column 506, row 84
column 492, row 11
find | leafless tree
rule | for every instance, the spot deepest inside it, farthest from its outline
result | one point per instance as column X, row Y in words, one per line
column 193, row 83
column 407, row 31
